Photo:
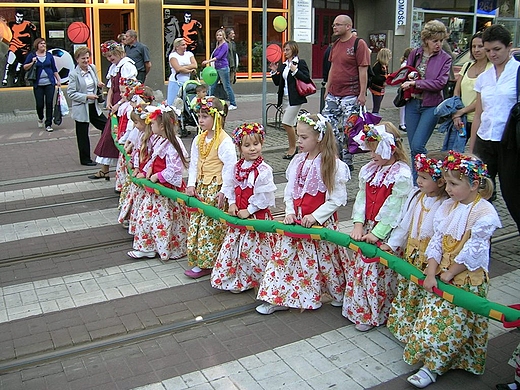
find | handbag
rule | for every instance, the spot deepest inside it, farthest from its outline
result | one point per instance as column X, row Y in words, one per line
column 30, row 75
column 100, row 96
column 511, row 136
column 56, row 113
column 305, row 89
column 399, row 100
column 355, row 124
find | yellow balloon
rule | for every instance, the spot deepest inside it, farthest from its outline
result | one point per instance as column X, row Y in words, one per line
column 280, row 23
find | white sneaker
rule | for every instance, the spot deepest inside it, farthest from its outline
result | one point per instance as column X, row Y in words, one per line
column 40, row 124
column 335, row 303
column 49, row 129
column 364, row 327
column 422, row 378
column 232, row 107
column 267, row 308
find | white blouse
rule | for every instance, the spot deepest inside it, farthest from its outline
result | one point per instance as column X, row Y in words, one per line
column 127, row 67
column 454, row 219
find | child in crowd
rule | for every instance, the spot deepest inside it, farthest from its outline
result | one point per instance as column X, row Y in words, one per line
column 402, row 110
column 250, row 192
column 384, row 185
column 301, row 269
column 201, row 92
column 378, row 82
column 513, row 362
column 213, row 157
column 162, row 223
column 128, row 200
column 444, row 336
column 411, row 236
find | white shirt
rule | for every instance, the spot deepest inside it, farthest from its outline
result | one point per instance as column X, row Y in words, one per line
column 498, row 97
column 182, row 61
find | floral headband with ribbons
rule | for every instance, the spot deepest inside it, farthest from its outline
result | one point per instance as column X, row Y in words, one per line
column 376, row 133
column 247, row 129
column 320, row 125
column 431, row 166
column 131, row 86
column 206, row 104
column 111, row 46
column 468, row 166
column 156, row 111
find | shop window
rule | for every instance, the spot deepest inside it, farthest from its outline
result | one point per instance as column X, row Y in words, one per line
column 186, row 2
column 270, row 4
column 19, row 28
column 272, row 37
column 186, row 24
column 447, row 5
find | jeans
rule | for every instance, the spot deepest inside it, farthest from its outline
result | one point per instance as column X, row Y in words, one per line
column 420, row 122
column 337, row 110
column 173, row 91
column 44, row 96
column 223, row 75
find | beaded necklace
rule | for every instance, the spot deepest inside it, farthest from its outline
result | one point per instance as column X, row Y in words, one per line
column 242, row 174
column 205, row 148
column 302, row 176
column 374, row 188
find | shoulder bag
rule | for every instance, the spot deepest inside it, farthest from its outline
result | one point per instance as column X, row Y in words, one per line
column 30, row 75
column 305, row 89
column 511, row 135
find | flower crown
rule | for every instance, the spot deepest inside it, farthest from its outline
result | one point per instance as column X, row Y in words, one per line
column 110, row 46
column 247, row 129
column 131, row 86
column 206, row 104
column 431, row 166
column 468, row 166
column 156, row 111
column 371, row 133
column 320, row 125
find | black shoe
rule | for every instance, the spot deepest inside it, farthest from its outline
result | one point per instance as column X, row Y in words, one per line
column 506, row 386
column 90, row 164
column 402, row 128
column 290, row 156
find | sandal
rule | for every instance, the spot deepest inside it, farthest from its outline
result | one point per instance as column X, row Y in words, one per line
column 100, row 175
column 288, row 156
column 422, row 378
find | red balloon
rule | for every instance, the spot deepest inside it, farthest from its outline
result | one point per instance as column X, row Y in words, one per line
column 273, row 53
column 78, row 32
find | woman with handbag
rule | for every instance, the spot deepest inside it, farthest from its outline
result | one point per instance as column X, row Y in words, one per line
column 496, row 96
column 433, row 65
column 46, row 81
column 285, row 76
column 83, row 91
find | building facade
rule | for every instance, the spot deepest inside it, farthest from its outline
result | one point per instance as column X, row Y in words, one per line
column 68, row 24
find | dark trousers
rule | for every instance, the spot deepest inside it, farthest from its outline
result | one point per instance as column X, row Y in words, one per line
column 44, row 96
column 376, row 99
column 141, row 76
column 488, row 153
column 98, row 121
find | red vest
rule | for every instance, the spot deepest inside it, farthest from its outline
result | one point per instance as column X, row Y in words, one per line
column 375, row 197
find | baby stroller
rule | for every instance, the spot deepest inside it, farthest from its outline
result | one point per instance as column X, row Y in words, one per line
column 182, row 102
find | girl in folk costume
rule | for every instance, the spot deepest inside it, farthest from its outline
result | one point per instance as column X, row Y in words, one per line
column 121, row 67
column 301, row 269
column 444, row 336
column 130, row 198
column 162, row 224
column 213, row 157
column 250, row 192
column 384, row 185
column 411, row 236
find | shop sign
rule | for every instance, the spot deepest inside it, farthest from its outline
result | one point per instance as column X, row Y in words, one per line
column 400, row 16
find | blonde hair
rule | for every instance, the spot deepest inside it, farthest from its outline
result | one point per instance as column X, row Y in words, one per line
column 144, row 152
column 384, row 56
column 485, row 185
column 170, row 123
column 434, row 29
column 178, row 42
column 329, row 152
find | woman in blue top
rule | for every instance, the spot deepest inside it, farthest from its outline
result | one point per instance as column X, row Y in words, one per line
column 47, row 78
column 219, row 57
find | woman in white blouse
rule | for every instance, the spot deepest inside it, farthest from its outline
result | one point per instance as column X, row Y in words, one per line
column 182, row 63
column 82, row 90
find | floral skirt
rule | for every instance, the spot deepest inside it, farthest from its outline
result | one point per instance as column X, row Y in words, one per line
column 301, row 270
column 121, row 173
column 369, row 291
column 129, row 200
column 242, row 259
column 447, row 337
column 404, row 309
column 515, row 362
column 205, row 234
column 161, row 226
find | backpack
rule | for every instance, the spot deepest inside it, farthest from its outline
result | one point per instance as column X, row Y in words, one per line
column 370, row 72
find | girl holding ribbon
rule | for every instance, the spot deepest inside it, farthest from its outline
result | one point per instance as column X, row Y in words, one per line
column 213, row 157
column 250, row 192
column 301, row 269
column 444, row 336
column 162, row 223
column 384, row 185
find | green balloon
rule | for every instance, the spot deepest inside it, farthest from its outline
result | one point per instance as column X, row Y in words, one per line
column 209, row 75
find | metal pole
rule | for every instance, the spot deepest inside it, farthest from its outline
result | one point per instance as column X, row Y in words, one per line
column 264, row 62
